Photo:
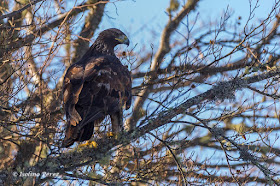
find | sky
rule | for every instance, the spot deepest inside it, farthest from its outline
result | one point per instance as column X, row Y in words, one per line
column 138, row 17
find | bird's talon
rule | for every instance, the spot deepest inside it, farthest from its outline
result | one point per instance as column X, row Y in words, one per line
column 110, row 134
column 89, row 144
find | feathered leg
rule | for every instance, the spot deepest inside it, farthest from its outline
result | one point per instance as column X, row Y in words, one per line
column 117, row 121
column 117, row 117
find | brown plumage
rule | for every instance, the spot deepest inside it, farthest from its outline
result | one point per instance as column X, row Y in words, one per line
column 95, row 86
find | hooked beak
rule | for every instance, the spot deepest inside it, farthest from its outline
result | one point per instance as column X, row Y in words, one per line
column 123, row 39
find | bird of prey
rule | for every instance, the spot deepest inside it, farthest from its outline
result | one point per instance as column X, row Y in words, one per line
column 95, row 86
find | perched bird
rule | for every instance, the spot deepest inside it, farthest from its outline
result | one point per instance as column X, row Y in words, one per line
column 95, row 86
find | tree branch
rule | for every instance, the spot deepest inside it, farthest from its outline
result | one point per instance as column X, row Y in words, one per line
column 14, row 13
column 27, row 40
column 164, row 48
column 91, row 24
column 73, row 159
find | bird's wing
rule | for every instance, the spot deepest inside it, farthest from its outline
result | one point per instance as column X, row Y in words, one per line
column 109, row 81
column 72, row 87
column 99, row 87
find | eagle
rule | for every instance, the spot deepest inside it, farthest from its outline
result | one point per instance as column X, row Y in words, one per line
column 95, row 86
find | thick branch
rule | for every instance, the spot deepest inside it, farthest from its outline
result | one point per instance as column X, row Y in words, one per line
column 91, row 24
column 39, row 32
column 14, row 13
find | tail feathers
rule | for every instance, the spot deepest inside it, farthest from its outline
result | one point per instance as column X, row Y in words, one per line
column 90, row 118
column 78, row 133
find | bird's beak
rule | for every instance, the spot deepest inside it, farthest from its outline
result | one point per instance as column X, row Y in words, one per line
column 123, row 39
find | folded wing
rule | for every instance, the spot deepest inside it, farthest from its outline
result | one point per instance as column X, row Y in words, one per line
column 99, row 87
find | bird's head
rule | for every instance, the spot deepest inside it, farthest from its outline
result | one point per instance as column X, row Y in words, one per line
column 113, row 37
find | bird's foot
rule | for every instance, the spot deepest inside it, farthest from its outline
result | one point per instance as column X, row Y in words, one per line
column 90, row 144
column 115, row 135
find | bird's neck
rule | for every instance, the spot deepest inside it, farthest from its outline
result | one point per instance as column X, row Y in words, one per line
column 100, row 48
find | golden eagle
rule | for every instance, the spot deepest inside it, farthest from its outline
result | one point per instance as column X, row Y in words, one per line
column 95, row 86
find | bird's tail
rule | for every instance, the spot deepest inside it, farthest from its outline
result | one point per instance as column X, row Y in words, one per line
column 83, row 130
